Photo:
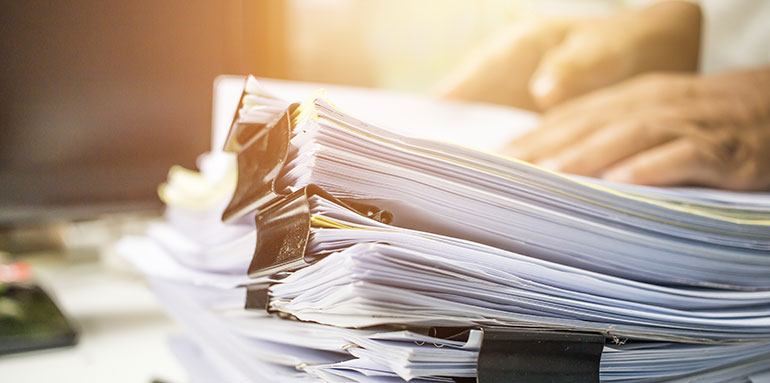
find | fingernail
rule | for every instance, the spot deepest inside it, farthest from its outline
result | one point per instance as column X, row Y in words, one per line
column 622, row 175
column 550, row 164
column 543, row 86
column 511, row 152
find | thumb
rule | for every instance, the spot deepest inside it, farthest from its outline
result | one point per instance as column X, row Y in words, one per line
column 583, row 62
column 550, row 83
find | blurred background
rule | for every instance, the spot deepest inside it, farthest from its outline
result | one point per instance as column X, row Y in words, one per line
column 401, row 45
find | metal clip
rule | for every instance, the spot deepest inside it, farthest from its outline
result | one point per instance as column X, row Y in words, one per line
column 283, row 230
column 260, row 161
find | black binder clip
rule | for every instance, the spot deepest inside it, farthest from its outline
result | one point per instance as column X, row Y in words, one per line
column 241, row 131
column 262, row 155
column 257, row 296
column 539, row 356
column 283, row 230
column 533, row 355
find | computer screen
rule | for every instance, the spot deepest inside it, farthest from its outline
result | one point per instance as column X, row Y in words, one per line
column 100, row 98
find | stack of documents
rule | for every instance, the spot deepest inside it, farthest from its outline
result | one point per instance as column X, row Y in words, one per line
column 351, row 244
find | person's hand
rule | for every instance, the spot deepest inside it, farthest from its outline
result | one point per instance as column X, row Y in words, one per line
column 540, row 63
column 662, row 129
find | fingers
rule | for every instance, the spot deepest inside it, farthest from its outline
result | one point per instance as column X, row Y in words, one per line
column 607, row 146
column 647, row 98
column 652, row 90
column 679, row 162
column 602, row 52
column 548, row 140
column 565, row 125
column 499, row 72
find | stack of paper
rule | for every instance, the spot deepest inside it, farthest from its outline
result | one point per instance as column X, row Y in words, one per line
column 668, row 238
column 407, row 234
column 240, row 345
column 381, row 274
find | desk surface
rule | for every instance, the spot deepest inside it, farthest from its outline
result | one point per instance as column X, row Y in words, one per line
column 123, row 329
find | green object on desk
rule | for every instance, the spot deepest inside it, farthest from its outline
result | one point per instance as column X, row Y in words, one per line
column 30, row 320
